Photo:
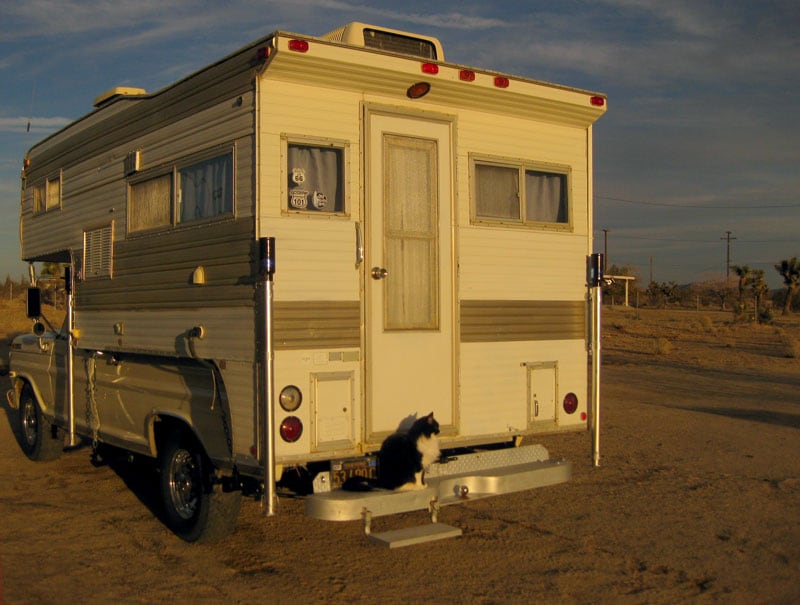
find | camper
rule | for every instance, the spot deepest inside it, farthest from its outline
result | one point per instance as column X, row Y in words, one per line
column 275, row 262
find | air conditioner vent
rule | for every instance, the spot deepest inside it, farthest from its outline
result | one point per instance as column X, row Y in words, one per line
column 391, row 40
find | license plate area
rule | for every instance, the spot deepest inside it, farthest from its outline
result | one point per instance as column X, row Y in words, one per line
column 363, row 466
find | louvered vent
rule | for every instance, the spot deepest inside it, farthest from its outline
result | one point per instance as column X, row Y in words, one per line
column 98, row 252
column 397, row 43
column 391, row 40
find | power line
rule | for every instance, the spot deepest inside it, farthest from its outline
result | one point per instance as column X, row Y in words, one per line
column 693, row 206
column 699, row 241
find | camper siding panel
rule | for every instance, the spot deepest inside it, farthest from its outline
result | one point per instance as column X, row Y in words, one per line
column 229, row 332
column 315, row 258
column 518, row 264
column 495, row 373
column 156, row 271
column 317, row 325
column 504, row 320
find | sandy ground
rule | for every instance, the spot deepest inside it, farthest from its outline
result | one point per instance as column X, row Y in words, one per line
column 697, row 499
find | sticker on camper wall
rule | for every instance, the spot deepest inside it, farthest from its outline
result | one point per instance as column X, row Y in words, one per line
column 319, row 200
column 298, row 176
column 298, row 198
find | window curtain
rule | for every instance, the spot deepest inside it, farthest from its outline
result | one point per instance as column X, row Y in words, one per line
column 207, row 189
column 497, row 192
column 545, row 198
column 315, row 178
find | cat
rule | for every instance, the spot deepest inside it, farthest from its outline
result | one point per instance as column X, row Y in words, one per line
column 403, row 458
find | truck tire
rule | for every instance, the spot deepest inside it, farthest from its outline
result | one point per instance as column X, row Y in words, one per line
column 39, row 439
column 195, row 509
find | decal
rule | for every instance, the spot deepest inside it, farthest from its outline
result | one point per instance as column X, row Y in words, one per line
column 319, row 200
column 298, row 198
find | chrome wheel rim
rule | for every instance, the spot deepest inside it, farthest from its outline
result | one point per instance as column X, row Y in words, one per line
column 184, row 484
column 30, row 424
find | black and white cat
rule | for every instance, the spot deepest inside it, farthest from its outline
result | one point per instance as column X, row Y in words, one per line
column 403, row 458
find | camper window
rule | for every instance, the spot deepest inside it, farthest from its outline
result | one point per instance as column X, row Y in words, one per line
column 521, row 193
column 47, row 195
column 315, row 175
column 150, row 203
column 206, row 189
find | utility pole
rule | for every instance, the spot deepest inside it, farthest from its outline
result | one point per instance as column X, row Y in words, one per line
column 728, row 238
column 605, row 250
column 651, row 269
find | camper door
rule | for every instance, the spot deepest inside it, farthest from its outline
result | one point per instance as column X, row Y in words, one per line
column 409, row 277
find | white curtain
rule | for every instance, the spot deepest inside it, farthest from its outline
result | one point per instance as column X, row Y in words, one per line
column 315, row 178
column 207, row 188
column 545, row 199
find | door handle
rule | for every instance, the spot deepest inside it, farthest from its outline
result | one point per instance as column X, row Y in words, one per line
column 379, row 273
column 359, row 245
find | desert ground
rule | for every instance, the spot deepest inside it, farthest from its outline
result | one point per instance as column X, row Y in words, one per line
column 696, row 500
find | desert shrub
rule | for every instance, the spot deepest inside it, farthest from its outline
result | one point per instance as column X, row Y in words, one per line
column 707, row 324
column 661, row 346
column 791, row 345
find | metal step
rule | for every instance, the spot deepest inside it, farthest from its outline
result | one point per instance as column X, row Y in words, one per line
column 409, row 536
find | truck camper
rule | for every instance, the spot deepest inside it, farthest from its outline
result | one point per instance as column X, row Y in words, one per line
column 275, row 261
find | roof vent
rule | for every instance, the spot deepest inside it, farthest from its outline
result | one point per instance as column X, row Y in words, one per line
column 116, row 92
column 391, row 40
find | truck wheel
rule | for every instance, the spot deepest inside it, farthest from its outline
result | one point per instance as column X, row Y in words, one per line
column 38, row 438
column 195, row 509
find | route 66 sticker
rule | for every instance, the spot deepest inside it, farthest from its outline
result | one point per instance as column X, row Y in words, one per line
column 298, row 176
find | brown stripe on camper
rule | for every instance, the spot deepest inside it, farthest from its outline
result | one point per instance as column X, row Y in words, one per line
column 316, row 324
column 505, row 320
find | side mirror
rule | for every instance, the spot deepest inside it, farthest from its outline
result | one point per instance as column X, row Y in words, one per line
column 39, row 329
column 34, row 308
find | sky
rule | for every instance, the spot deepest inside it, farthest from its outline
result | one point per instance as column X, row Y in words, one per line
column 701, row 137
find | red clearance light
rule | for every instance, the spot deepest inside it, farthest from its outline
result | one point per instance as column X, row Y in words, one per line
column 430, row 68
column 300, row 46
column 501, row 82
column 597, row 101
column 263, row 53
column 291, row 429
column 570, row 403
column 466, row 75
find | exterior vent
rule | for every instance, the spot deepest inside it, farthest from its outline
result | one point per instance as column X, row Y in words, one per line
column 391, row 40
column 133, row 162
column 118, row 91
column 98, row 247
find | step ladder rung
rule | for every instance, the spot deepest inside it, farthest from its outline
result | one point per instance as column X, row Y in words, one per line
column 397, row 538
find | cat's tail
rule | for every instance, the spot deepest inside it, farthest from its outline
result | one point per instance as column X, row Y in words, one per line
column 360, row 484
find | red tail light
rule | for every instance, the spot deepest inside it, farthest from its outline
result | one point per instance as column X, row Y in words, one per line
column 430, row 68
column 291, row 429
column 570, row 403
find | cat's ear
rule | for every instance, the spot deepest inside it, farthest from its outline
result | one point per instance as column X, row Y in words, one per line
column 429, row 418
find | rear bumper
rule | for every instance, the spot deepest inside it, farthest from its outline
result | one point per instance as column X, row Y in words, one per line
column 459, row 480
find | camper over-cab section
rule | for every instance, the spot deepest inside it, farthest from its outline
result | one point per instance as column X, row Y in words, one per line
column 431, row 223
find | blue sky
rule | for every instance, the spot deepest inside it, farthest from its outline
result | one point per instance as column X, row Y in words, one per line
column 702, row 135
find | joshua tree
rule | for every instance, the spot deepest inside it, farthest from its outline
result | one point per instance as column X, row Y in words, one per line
column 743, row 272
column 790, row 272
